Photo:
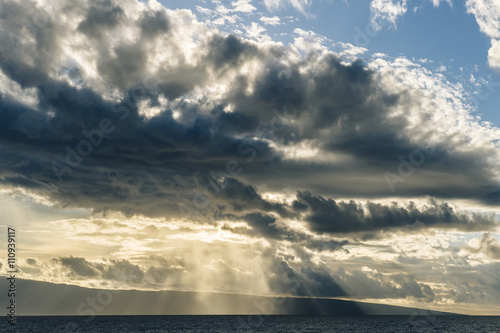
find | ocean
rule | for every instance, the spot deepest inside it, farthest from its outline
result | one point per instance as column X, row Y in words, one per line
column 275, row 324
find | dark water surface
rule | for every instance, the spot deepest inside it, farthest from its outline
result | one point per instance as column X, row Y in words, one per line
column 191, row 324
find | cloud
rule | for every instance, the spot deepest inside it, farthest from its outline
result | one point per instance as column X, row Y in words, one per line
column 299, row 5
column 275, row 20
column 201, row 272
column 494, row 54
column 119, row 272
column 177, row 99
column 386, row 11
column 476, row 285
column 319, row 279
column 486, row 245
column 79, row 266
column 350, row 51
column 367, row 283
column 158, row 116
column 124, row 271
column 327, row 215
column 487, row 14
column 195, row 257
column 99, row 19
column 243, row 6
column 269, row 227
column 228, row 19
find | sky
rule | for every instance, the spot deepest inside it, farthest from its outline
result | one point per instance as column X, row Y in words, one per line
column 338, row 149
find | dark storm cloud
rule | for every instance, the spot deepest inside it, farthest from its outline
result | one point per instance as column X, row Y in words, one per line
column 80, row 149
column 343, row 110
column 288, row 280
column 79, row 266
column 156, row 160
column 100, row 18
column 121, row 271
column 153, row 24
column 327, row 215
column 228, row 51
column 27, row 63
column 266, row 226
column 263, row 224
column 241, row 197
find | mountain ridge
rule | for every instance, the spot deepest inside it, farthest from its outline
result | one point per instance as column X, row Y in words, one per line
column 36, row 298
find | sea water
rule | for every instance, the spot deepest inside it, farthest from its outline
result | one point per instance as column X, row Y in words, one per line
column 275, row 324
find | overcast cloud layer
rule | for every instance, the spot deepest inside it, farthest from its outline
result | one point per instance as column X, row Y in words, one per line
column 128, row 108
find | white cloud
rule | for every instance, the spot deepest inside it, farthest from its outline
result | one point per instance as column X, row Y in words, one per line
column 308, row 41
column 299, row 5
column 257, row 32
column 13, row 90
column 203, row 10
column 494, row 54
column 243, row 6
column 275, row 20
column 389, row 11
column 436, row 3
column 487, row 14
column 349, row 51
column 485, row 248
column 386, row 11
column 439, row 111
